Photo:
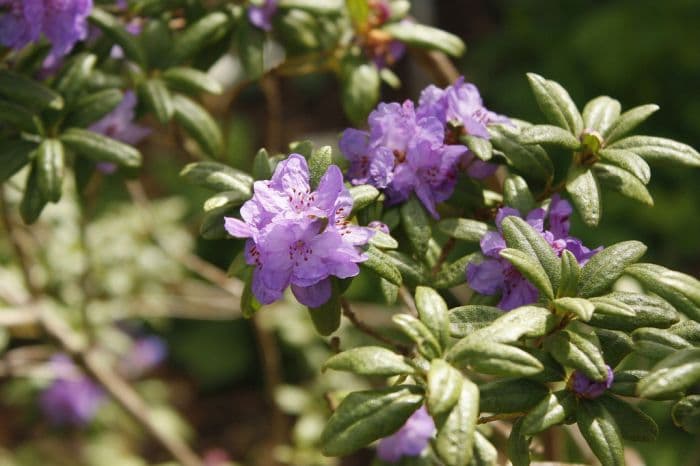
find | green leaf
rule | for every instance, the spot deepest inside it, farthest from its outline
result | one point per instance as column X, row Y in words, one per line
column 416, row 225
column 365, row 416
column 25, row 91
column 495, row 358
column 213, row 223
column 113, row 29
column 319, row 162
column 249, row 303
column 680, row 290
column 552, row 410
column 432, row 311
column 101, row 148
column 570, row 272
column 511, row 395
column 73, row 80
column 362, row 196
column 427, row 37
column 518, row 446
column 550, row 135
column 225, row 198
column 688, row 329
column 250, row 42
column 378, row 261
column 465, row 320
column 530, row 160
column 50, row 160
column 485, row 454
column 628, row 121
column 516, row 194
column 314, row 6
column 612, row 311
column 625, row 383
column 525, row 321
column 585, row 194
column 360, row 85
column 577, row 352
column 92, row 107
column 390, row 292
column 32, row 202
column 520, row 235
column 157, row 42
column 455, row 434
column 217, row 177
column 158, row 99
column 452, row 273
column 634, row 424
column 686, row 414
column 261, row 165
column 653, row 149
column 622, row 181
column 444, row 387
column 556, row 104
column 381, row 240
column 326, row 317
column 191, row 80
column 358, row 11
column 581, row 308
column 530, row 268
column 17, row 116
column 427, row 344
column 370, row 360
column 205, row 31
column 412, row 272
column 478, row 146
column 14, row 154
column 600, row 431
column 600, row 113
column 616, row 345
column 463, row 229
column 198, row 124
column 674, row 373
column 606, row 266
column 629, row 161
column 655, row 343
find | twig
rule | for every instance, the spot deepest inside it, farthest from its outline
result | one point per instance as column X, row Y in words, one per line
column 498, row 417
column 352, row 317
column 446, row 250
column 273, row 102
column 438, row 65
column 408, row 300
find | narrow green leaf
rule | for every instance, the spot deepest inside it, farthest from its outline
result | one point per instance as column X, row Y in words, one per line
column 688, row 330
column 686, row 414
column 432, row 311
column 91, row 107
column 207, row 30
column 585, row 194
column 362, row 196
column 465, row 320
column 412, row 272
column 377, row 261
column 634, row 424
column 23, row 90
column 616, row 345
column 452, row 273
column 50, row 160
column 605, row 267
column 217, row 177
column 485, row 454
column 113, row 28
column 529, row 160
column 455, row 435
column 326, row 317
column 625, row 382
column 358, row 11
column 199, row 124
column 463, row 229
column 478, row 146
column 156, row 39
column 365, row 416
column 213, row 222
column 14, row 154
column 250, row 43
column 600, row 113
column 581, row 308
column 390, row 292
column 520, row 235
column 360, row 85
column 629, row 161
column 101, row 148
column 674, row 373
column 416, row 225
column 261, row 165
column 495, row 358
column 655, row 343
column 525, row 321
column 158, row 98
column 556, row 104
column 577, row 352
column 444, row 387
column 518, row 446
column 511, row 395
column 622, row 181
column 314, row 6
column 191, row 80
column 600, row 431
column 517, row 194
column 530, row 268
column 249, row 303
column 422, row 36
column 551, row 411
column 225, row 198
column 424, row 339
column 319, row 162
column 680, row 290
column 370, row 360
column 653, row 149
column 570, row 272
column 550, row 135
column 17, row 115
column 32, row 202
column 612, row 311
column 383, row 241
column 73, row 80
column 628, row 121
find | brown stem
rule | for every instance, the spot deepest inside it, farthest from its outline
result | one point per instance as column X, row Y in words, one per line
column 352, row 317
column 438, row 65
column 446, row 250
column 273, row 102
column 499, row 417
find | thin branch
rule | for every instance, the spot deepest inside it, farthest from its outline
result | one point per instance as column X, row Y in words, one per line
column 444, row 253
column 352, row 317
column 273, row 102
column 407, row 299
column 438, row 65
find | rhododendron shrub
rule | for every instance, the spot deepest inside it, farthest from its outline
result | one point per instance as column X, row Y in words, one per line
column 485, row 304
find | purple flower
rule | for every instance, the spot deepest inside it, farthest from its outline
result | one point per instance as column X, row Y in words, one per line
column 63, row 22
column 119, row 124
column 497, row 275
column 410, row 440
column 145, row 354
column 261, row 16
column 587, row 388
column 72, row 398
column 403, row 154
column 379, row 226
column 298, row 237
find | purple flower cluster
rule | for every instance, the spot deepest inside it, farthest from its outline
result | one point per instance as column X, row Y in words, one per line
column 261, row 15
column 496, row 275
column 298, row 237
column 417, row 150
column 587, row 388
column 410, row 440
column 63, row 22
